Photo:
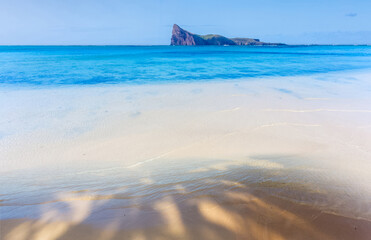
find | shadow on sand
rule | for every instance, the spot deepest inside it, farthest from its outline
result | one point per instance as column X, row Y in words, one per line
column 207, row 208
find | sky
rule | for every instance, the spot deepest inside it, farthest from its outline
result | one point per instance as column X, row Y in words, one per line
column 149, row 22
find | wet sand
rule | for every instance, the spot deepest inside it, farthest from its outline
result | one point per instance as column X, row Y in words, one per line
column 232, row 215
column 285, row 158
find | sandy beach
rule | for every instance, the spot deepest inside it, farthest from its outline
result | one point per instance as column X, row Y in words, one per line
column 272, row 158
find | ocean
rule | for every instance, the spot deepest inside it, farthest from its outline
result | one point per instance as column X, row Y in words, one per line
column 88, row 65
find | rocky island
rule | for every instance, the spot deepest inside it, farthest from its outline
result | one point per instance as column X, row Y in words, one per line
column 185, row 38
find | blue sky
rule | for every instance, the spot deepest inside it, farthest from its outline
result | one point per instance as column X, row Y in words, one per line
column 149, row 22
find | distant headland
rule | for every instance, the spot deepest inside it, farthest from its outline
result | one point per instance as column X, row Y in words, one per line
column 185, row 38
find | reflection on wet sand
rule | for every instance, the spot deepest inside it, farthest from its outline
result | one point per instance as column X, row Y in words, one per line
column 197, row 200
column 226, row 214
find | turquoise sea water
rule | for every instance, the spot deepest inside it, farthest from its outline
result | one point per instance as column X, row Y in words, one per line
column 70, row 65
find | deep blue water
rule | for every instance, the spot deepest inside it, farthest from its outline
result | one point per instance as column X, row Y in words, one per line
column 69, row 65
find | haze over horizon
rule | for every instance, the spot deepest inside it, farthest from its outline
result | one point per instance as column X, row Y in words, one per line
column 149, row 22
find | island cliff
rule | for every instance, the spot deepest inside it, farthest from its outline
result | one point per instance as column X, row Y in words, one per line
column 183, row 37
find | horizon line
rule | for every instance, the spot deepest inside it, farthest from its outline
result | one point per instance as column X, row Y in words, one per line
column 162, row 45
